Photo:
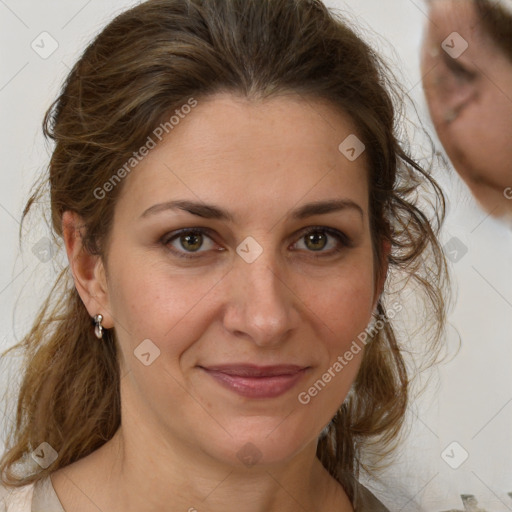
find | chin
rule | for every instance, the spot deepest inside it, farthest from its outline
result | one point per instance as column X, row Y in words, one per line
column 257, row 447
column 493, row 201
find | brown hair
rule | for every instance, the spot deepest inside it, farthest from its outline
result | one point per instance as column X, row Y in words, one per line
column 146, row 63
column 497, row 23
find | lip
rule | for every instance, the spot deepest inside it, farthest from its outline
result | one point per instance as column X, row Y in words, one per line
column 257, row 381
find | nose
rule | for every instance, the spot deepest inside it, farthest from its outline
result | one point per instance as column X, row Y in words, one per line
column 261, row 304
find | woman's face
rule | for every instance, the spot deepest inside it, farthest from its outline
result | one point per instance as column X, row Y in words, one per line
column 251, row 288
column 467, row 80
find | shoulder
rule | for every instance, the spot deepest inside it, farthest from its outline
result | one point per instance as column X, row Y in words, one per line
column 38, row 496
column 16, row 499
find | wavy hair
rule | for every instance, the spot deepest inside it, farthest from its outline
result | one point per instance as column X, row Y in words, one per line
column 496, row 21
column 148, row 62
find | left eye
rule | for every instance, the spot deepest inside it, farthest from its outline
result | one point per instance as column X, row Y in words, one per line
column 315, row 240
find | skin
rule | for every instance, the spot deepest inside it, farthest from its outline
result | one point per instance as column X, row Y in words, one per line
column 470, row 102
column 181, row 430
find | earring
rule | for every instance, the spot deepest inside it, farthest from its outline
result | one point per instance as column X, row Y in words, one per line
column 98, row 329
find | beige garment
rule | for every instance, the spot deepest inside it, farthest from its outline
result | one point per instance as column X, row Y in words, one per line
column 41, row 497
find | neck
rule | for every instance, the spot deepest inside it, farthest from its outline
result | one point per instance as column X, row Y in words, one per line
column 192, row 481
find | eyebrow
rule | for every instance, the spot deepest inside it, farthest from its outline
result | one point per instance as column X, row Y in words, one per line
column 209, row 211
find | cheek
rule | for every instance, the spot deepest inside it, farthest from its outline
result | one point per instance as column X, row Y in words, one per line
column 479, row 141
column 346, row 311
column 149, row 301
column 350, row 303
column 344, row 306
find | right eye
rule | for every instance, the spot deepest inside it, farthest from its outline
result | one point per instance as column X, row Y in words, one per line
column 190, row 240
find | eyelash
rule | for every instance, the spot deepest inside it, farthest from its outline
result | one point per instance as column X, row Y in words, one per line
column 343, row 239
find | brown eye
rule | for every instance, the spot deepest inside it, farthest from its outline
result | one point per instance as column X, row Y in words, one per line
column 316, row 241
column 191, row 242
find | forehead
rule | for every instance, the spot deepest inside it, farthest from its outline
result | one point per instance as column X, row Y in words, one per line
column 449, row 16
column 251, row 153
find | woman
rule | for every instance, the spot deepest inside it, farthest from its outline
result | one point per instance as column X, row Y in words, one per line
column 232, row 198
column 467, row 78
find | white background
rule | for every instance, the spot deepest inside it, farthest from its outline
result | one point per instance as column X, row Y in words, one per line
column 470, row 399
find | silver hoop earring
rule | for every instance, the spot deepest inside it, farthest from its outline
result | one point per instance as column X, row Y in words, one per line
column 98, row 329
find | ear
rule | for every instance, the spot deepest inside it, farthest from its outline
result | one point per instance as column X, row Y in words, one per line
column 385, row 250
column 87, row 269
